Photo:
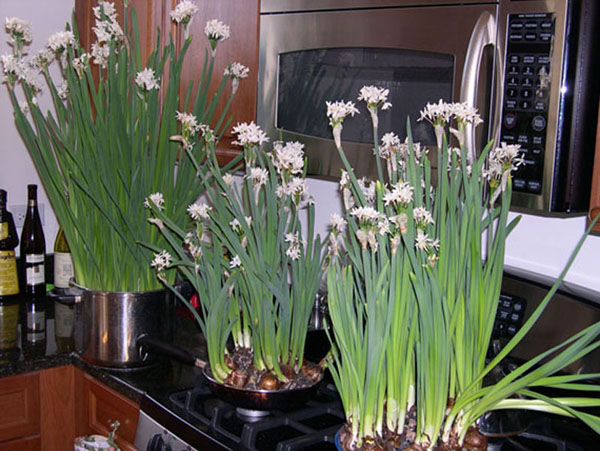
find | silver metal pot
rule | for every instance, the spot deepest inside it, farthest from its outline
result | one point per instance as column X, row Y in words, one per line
column 108, row 325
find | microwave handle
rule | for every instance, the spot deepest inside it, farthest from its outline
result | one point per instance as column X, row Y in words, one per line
column 484, row 34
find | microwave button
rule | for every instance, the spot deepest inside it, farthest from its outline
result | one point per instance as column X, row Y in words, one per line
column 511, row 104
column 526, row 93
column 544, row 59
column 545, row 37
column 510, row 120
column 546, row 25
column 537, row 140
column 530, row 36
column 528, row 70
column 513, row 70
column 531, row 25
column 511, row 92
column 538, row 123
column 525, row 105
column 527, row 82
column 537, row 151
column 528, row 59
column 508, row 138
column 540, row 105
column 515, row 37
column 512, row 81
column 511, row 330
column 541, row 93
column 516, row 25
column 519, row 183
column 523, row 139
column 514, row 59
column 534, row 186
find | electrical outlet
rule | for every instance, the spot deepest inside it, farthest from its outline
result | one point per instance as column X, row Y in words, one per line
column 19, row 212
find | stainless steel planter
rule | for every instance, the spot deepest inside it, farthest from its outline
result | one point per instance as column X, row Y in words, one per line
column 110, row 323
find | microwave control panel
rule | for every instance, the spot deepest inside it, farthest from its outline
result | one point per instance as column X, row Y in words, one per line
column 526, row 90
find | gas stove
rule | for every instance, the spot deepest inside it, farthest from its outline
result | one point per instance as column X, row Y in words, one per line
column 190, row 416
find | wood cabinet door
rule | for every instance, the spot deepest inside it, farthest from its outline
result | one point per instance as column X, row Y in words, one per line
column 57, row 408
column 103, row 405
column 19, row 406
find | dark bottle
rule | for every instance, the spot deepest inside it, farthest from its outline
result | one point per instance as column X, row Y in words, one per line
column 33, row 249
column 9, row 284
column 33, row 328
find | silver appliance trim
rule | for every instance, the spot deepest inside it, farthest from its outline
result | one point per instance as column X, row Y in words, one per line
column 282, row 6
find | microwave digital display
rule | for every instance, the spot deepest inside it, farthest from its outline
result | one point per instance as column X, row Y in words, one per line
column 309, row 78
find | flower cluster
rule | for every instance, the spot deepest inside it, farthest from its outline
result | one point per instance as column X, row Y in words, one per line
column 60, row 40
column 184, row 11
column 19, row 31
column 216, row 31
column 236, row 71
column 146, row 80
column 107, row 31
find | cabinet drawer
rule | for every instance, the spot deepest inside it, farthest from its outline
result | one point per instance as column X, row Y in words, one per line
column 31, row 443
column 104, row 405
column 19, row 406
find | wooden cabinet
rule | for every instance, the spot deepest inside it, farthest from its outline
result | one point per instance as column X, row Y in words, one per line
column 595, row 194
column 243, row 18
column 102, row 406
column 19, row 410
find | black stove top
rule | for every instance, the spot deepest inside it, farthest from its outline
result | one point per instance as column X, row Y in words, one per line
column 310, row 427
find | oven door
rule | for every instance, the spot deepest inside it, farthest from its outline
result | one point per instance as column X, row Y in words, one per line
column 420, row 53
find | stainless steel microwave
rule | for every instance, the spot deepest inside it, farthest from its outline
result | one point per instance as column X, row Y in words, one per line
column 527, row 65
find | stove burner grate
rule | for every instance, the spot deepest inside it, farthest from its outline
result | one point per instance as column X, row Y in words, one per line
column 312, row 427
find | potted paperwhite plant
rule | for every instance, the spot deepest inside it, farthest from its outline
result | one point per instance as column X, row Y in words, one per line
column 255, row 262
column 105, row 147
column 413, row 291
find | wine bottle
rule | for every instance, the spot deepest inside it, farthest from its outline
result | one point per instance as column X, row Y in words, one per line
column 64, row 319
column 9, row 283
column 34, row 327
column 63, row 262
column 33, row 248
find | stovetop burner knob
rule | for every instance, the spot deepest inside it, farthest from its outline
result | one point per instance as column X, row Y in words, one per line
column 157, row 443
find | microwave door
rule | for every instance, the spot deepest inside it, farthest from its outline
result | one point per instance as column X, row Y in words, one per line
column 307, row 58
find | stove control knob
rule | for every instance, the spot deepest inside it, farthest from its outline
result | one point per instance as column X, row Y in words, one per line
column 157, row 443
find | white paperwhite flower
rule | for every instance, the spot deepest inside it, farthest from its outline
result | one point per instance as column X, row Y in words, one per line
column 465, row 114
column 189, row 123
column 289, row 157
column 215, row 30
column 437, row 113
column 100, row 54
column 422, row 241
column 108, row 8
column 258, row 177
column 375, row 97
column 235, row 262
column 199, row 211
column 146, row 80
column 63, row 90
column 366, row 215
column 400, row 195
column 18, row 29
column 369, row 189
column 161, row 261
column 228, row 179
column 156, row 199
column 422, row 217
column 296, row 188
column 184, row 11
column 383, row 226
column 390, row 144
column 42, row 58
column 236, row 70
column 60, row 40
column 235, row 225
column 293, row 250
column 338, row 223
column 249, row 134
column 337, row 111
column 207, row 133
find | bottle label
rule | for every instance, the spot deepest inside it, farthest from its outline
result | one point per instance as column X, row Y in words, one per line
column 34, row 258
column 3, row 230
column 34, row 275
column 64, row 316
column 9, row 281
column 9, row 318
column 63, row 269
